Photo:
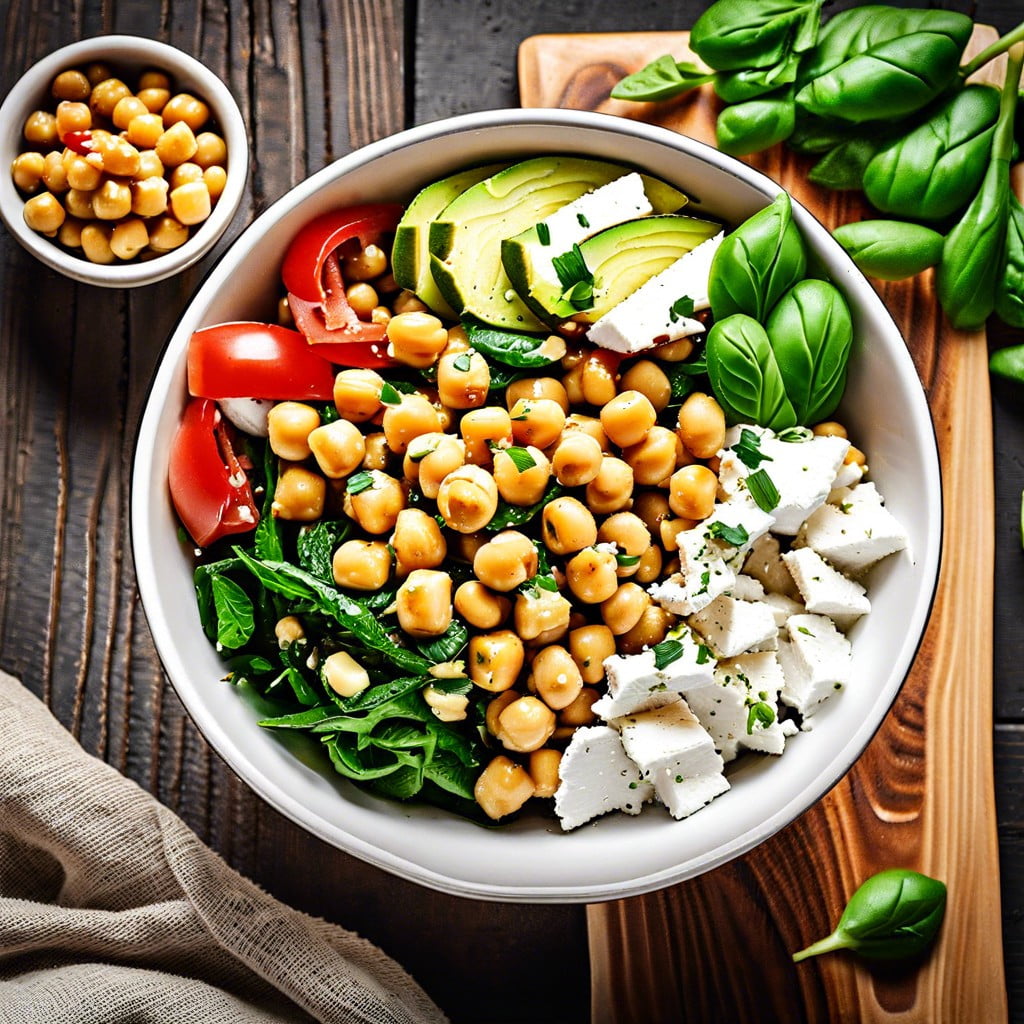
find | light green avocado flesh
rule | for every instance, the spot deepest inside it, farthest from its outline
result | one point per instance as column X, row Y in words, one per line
column 465, row 238
column 627, row 256
column 410, row 258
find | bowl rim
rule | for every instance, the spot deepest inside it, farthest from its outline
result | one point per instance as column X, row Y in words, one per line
column 285, row 802
column 125, row 49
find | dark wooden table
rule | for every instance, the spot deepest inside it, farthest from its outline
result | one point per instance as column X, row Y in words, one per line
column 315, row 80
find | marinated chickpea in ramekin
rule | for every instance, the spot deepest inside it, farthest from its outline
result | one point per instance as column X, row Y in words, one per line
column 144, row 158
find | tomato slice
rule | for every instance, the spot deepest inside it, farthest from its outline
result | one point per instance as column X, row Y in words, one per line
column 255, row 360
column 209, row 488
column 366, row 349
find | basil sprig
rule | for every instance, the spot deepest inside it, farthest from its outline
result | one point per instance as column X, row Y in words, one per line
column 893, row 915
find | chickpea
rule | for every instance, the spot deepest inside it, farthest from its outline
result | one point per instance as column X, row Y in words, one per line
column 376, row 507
column 152, row 78
column 70, row 233
column 649, row 567
column 502, row 788
column 290, row 424
column 448, row 707
column 129, row 238
column 81, row 174
column 543, row 768
column 149, row 165
column 541, row 615
column 854, row 456
column 187, row 108
column 480, row 606
column 413, row 416
column 589, row 647
column 535, row 388
column 701, row 425
column 299, row 494
column 167, row 234
column 184, row 174
column 216, row 178
column 829, row 428
column 106, row 95
column 416, row 338
column 467, row 499
column 154, row 98
column 525, row 725
column 692, row 492
column 362, row 297
column 338, row 447
column 579, row 711
column 43, row 213
column 669, row 530
column 506, row 561
column 674, row 351
column 652, row 508
column 577, row 423
column 79, row 204
column 149, row 196
column 112, row 200
column 96, row 243
column 73, row 117
column 495, row 659
column 651, row 629
column 361, row 564
column 572, row 381
column 127, row 108
column 144, row 131
column 430, row 458
column 211, row 150
column 377, row 451
column 71, row 85
column 628, row 532
column 556, row 677
column 176, row 145
column 408, row 302
column 521, row 486
column 417, row 541
column 366, row 264
column 424, row 603
column 97, row 72
column 612, row 488
column 55, row 176
column 191, row 203
column 344, row 675
column 598, row 377
column 567, row 526
column 649, row 379
column 536, row 421
column 41, row 129
column 654, row 459
column 576, row 459
column 627, row 418
column 622, row 611
column 357, row 394
column 591, row 575
column 480, row 428
column 463, row 379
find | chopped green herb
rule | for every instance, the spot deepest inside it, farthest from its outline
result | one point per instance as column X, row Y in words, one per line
column 359, row 482
column 804, row 630
column 703, row 654
column 521, row 458
column 759, row 713
column 666, row 652
column 543, row 233
column 763, row 490
column 705, row 581
column 575, row 278
column 582, row 219
column 389, row 394
column 463, row 362
column 748, row 449
column 682, row 307
column 795, row 435
column 627, row 561
column 737, row 535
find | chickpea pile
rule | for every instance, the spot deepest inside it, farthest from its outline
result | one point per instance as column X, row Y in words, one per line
column 422, row 476
column 116, row 174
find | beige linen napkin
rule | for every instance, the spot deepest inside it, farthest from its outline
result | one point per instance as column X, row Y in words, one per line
column 112, row 910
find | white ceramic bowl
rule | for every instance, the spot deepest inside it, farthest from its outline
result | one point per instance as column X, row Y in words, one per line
column 128, row 54
column 530, row 859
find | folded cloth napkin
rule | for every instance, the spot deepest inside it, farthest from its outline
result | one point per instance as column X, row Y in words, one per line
column 112, row 910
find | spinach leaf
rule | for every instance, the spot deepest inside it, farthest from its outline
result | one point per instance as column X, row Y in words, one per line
column 745, row 375
column 756, row 124
column 890, row 249
column 315, row 545
column 1010, row 287
column 235, row 622
column 301, row 677
column 202, row 579
column 448, row 646
column 512, row 348
column 267, row 536
column 448, row 772
column 932, row 171
column 299, row 719
column 662, row 79
column 811, row 331
column 734, row 34
column 507, row 515
column 350, row 762
column 757, row 263
column 893, row 915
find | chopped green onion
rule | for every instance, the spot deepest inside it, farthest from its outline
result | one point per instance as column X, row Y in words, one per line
column 795, row 435
column 763, row 490
column 582, row 219
column 543, row 233
column 748, row 449
column 737, row 535
column 521, row 458
column 359, row 482
column 627, row 561
column 759, row 712
column 575, row 278
column 666, row 652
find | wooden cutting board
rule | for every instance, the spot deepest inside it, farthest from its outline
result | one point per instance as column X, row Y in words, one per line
column 717, row 948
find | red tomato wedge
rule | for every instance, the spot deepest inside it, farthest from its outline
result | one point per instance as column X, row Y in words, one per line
column 254, row 360
column 312, row 271
column 209, row 488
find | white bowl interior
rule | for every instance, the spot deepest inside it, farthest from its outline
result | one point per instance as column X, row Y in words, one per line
column 531, row 859
column 131, row 53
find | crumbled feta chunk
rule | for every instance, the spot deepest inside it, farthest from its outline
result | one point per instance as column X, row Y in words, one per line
column 737, row 513
column 646, row 317
column 825, row 590
column 635, row 683
column 675, row 753
column 596, row 776
column 732, row 626
column 703, row 575
column 815, row 659
column 854, row 533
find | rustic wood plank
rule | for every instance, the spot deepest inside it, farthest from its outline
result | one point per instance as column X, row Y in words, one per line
column 906, row 802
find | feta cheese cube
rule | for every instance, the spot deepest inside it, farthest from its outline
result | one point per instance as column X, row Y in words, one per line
column 645, row 317
column 726, row 708
column 703, row 575
column 856, row 532
column 732, row 626
column 635, row 683
column 815, row 659
column 802, row 472
column 596, row 776
column 825, row 590
column 738, row 513
column 675, row 753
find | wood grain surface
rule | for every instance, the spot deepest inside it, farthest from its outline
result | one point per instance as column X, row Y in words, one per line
column 718, row 948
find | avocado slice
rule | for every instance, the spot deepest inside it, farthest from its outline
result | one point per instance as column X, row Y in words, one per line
column 626, row 256
column 465, row 238
column 529, row 257
column 410, row 259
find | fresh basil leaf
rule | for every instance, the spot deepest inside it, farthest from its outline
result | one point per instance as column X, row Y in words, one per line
column 890, row 250
column 405, row 783
column 749, row 83
column 748, row 449
column 543, row 234
column 682, row 307
column 521, row 458
column 1008, row 363
column 755, row 125
column 509, row 347
column 359, row 482
column 763, row 490
column 842, row 168
column 662, row 79
column 1010, row 287
column 235, row 622
column 734, row 34
column 448, row 772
